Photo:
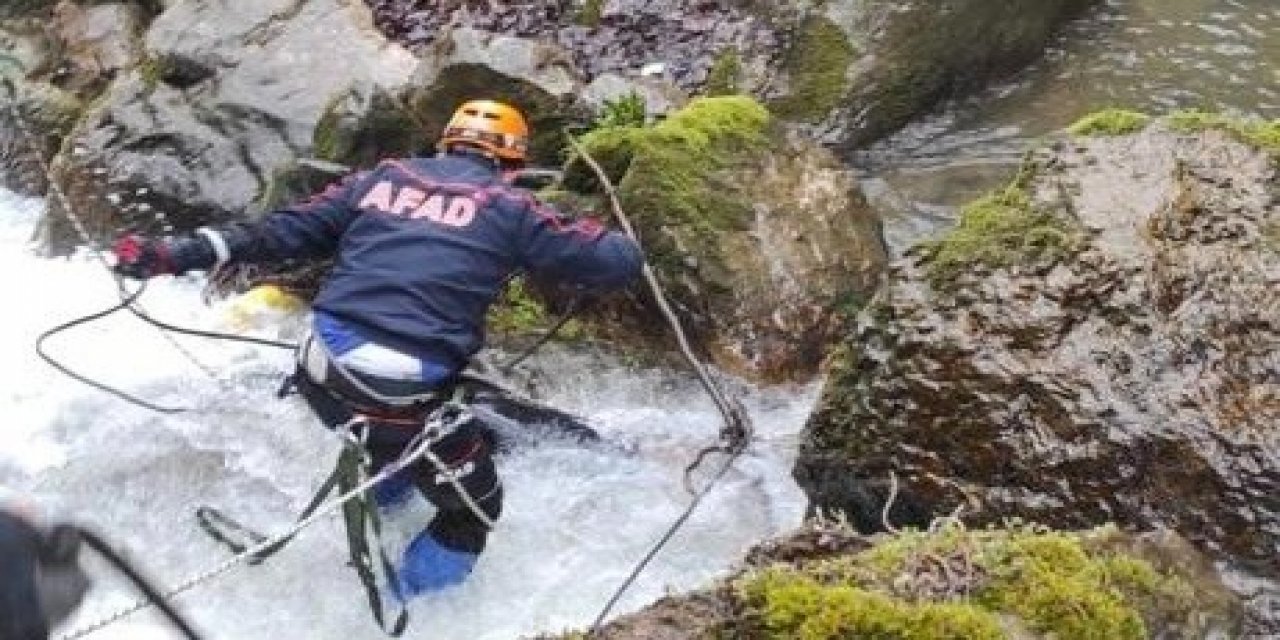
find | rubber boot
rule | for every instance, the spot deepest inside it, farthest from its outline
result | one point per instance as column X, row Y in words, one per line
column 427, row 566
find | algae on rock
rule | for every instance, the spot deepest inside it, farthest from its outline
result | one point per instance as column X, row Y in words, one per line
column 759, row 235
column 1014, row 581
column 1110, row 122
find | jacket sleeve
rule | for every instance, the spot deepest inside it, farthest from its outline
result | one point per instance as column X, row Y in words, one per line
column 580, row 252
column 311, row 228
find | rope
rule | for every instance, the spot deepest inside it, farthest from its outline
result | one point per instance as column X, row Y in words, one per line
column 82, row 230
column 85, row 379
column 737, row 431
column 564, row 319
column 413, row 455
column 99, row 545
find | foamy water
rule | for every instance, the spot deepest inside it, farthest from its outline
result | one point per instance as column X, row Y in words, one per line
column 577, row 518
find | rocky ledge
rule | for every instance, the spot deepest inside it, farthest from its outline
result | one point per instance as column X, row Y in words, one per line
column 1098, row 342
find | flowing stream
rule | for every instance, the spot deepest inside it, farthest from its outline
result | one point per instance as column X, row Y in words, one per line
column 577, row 517
column 1154, row 56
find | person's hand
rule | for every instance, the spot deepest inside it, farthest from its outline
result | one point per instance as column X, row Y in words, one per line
column 140, row 258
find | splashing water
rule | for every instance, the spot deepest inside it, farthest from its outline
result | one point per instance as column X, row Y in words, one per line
column 577, row 518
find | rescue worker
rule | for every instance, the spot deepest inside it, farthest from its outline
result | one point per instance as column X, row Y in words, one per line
column 41, row 582
column 423, row 247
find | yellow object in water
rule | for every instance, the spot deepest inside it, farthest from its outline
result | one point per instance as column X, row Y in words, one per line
column 263, row 304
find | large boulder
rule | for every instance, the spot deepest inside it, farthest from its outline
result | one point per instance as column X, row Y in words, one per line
column 1096, row 343
column 762, row 238
column 57, row 59
column 225, row 96
column 848, row 71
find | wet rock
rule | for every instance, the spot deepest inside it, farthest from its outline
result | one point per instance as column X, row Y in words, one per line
column 848, row 71
column 20, row 8
column 762, row 238
column 1097, row 343
column 225, row 96
column 99, row 42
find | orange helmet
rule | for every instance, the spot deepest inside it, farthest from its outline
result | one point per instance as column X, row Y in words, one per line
column 496, row 128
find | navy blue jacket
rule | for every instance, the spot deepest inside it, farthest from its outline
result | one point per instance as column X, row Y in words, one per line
column 425, row 245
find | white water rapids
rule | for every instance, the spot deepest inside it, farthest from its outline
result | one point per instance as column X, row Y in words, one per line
column 577, row 518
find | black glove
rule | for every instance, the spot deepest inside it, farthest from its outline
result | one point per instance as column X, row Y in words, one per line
column 42, row 580
column 141, row 258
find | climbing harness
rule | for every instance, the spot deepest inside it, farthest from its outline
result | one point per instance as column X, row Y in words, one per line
column 363, row 523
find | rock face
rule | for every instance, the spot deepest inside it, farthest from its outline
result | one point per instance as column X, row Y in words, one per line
column 762, row 239
column 850, row 71
column 1098, row 343
column 225, row 96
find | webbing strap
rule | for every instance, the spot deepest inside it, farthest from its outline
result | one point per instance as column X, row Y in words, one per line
column 362, row 518
column 359, row 515
column 222, row 527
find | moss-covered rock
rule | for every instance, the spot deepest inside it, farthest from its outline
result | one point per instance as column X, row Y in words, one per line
column 1110, row 122
column 361, row 128
column 757, row 234
column 724, row 78
column 1259, row 133
column 818, row 65
column 1105, row 372
column 1010, row 582
column 1001, row 229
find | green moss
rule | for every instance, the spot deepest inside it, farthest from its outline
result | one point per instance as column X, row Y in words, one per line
column 725, row 75
column 818, row 66
column 151, row 69
column 1271, row 236
column 667, row 173
column 1050, row 582
column 1260, row 133
column 591, row 13
column 1000, row 229
column 792, row 605
column 627, row 111
column 518, row 312
column 1110, row 122
column 327, row 140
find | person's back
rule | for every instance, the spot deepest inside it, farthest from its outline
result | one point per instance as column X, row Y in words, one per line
column 435, row 242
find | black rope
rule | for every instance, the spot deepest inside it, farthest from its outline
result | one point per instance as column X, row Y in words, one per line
column 574, row 306
column 212, row 335
column 662, row 542
column 126, row 301
column 141, row 583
